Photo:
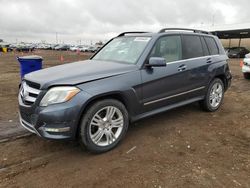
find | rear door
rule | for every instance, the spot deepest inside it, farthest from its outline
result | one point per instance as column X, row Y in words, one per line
column 197, row 60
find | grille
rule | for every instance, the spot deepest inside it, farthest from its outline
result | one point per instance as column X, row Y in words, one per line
column 29, row 93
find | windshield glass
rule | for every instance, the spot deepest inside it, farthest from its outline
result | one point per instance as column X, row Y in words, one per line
column 123, row 49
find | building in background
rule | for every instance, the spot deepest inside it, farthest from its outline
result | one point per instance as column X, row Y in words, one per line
column 234, row 37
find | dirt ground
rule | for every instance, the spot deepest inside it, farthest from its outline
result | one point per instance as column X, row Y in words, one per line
column 185, row 147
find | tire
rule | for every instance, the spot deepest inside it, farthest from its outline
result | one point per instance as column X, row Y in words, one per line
column 100, row 132
column 246, row 75
column 214, row 96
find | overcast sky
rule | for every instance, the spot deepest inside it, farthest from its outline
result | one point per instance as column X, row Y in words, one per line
column 86, row 20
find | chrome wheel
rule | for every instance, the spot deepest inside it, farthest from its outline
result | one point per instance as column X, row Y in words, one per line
column 106, row 126
column 216, row 95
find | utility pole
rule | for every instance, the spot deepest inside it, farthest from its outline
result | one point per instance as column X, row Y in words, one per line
column 56, row 38
column 213, row 19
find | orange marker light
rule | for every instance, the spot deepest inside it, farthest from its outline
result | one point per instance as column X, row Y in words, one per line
column 71, row 94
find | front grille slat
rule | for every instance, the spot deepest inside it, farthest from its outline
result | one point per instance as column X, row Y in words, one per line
column 32, row 90
column 30, row 99
column 28, row 93
column 32, row 84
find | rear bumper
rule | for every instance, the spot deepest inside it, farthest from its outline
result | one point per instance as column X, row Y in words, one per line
column 228, row 79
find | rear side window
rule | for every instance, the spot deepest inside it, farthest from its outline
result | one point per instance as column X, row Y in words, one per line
column 212, row 46
column 204, row 46
column 191, row 46
column 168, row 47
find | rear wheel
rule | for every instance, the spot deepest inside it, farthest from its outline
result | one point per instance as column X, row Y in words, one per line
column 214, row 96
column 246, row 75
column 104, row 125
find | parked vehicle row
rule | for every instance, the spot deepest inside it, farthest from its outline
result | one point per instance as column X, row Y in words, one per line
column 22, row 47
column 84, row 48
column 26, row 47
column 7, row 46
column 66, row 47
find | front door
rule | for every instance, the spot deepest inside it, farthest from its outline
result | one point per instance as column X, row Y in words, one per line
column 163, row 86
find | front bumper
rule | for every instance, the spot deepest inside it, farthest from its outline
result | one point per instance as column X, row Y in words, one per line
column 58, row 121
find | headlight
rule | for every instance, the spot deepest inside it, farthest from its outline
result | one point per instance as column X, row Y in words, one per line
column 59, row 95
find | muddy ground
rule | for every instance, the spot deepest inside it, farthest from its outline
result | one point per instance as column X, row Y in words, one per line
column 185, row 147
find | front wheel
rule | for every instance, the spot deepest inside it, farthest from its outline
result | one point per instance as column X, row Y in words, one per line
column 214, row 96
column 104, row 125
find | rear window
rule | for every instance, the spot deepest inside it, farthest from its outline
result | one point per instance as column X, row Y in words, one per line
column 212, row 46
column 192, row 46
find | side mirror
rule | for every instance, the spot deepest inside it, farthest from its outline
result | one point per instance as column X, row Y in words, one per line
column 156, row 62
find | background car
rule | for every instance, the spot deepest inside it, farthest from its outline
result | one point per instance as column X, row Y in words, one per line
column 246, row 67
column 237, row 52
column 53, row 46
column 83, row 48
column 63, row 47
column 92, row 49
column 73, row 48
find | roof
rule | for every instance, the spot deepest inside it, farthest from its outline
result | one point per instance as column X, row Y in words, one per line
column 233, row 34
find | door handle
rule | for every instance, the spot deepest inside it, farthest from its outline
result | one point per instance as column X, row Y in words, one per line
column 209, row 60
column 182, row 67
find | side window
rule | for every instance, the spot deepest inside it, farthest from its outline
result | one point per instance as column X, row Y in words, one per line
column 211, row 44
column 192, row 46
column 168, row 47
column 204, row 46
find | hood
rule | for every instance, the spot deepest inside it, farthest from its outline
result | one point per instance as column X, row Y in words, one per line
column 78, row 72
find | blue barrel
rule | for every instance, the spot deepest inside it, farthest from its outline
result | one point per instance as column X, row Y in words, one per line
column 29, row 64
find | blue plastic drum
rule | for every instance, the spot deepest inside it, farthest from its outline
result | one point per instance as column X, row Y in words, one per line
column 29, row 64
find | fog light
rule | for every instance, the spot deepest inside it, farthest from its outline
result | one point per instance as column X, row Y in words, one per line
column 57, row 130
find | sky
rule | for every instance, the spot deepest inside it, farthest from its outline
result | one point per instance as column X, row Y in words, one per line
column 86, row 21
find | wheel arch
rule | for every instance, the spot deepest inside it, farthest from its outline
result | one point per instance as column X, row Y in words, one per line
column 114, row 95
column 223, row 78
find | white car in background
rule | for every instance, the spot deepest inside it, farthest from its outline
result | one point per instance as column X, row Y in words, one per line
column 246, row 66
column 83, row 48
column 73, row 48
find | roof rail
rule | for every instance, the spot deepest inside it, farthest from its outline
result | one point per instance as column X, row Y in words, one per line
column 184, row 29
column 130, row 32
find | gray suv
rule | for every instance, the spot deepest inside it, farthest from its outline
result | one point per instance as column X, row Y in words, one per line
column 133, row 76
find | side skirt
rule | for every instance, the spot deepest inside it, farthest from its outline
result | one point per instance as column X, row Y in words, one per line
column 166, row 108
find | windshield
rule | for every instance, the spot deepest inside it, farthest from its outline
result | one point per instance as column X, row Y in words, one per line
column 123, row 49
